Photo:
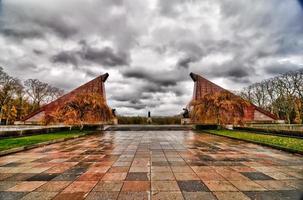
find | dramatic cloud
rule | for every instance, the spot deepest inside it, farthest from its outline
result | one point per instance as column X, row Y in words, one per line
column 104, row 56
column 150, row 47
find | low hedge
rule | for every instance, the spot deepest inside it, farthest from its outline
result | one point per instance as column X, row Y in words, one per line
column 271, row 131
column 206, row 127
column 45, row 130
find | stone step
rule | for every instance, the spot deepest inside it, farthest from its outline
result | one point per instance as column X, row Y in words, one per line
column 147, row 127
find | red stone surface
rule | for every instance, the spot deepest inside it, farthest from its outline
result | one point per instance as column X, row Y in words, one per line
column 203, row 86
column 94, row 86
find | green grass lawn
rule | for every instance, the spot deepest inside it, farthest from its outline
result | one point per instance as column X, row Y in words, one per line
column 287, row 143
column 10, row 143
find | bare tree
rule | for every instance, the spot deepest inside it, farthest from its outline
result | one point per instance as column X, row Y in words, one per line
column 54, row 93
column 281, row 95
column 37, row 91
column 41, row 92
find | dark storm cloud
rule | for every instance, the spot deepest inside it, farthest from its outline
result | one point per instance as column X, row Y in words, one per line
column 38, row 52
column 61, row 28
column 281, row 68
column 21, row 34
column 66, row 58
column 238, row 72
column 192, row 49
column 27, row 66
column 106, row 56
column 184, row 62
column 169, row 8
column 156, row 79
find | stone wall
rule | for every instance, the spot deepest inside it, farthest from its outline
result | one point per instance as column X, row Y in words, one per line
column 203, row 86
column 258, row 116
column 94, row 86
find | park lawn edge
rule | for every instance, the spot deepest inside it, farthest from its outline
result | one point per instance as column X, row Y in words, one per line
column 41, row 144
column 287, row 149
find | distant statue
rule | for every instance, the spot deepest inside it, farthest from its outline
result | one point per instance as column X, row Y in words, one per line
column 185, row 113
column 149, row 119
column 114, row 112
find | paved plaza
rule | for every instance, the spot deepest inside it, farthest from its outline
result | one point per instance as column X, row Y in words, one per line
column 151, row 165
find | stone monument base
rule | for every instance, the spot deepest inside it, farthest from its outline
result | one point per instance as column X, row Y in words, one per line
column 185, row 121
column 115, row 121
column 149, row 120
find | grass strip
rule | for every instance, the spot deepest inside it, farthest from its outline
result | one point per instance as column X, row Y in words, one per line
column 11, row 143
column 294, row 145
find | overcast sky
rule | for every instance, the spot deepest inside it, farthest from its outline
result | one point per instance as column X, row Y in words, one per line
column 149, row 47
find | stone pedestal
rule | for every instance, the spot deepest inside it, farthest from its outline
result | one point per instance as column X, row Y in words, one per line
column 149, row 120
column 185, row 121
column 115, row 121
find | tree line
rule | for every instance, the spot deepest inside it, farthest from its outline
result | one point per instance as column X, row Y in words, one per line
column 281, row 95
column 18, row 99
column 143, row 120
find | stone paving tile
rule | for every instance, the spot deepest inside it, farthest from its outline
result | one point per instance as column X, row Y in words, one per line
column 133, row 195
column 108, row 186
column 164, row 186
column 66, row 177
column 42, row 177
column 247, row 186
column 277, row 195
column 279, row 175
column 139, row 169
column 53, row 186
column 88, row 176
column 243, row 169
column 199, row 196
column 192, row 186
column 12, row 195
column 26, row 186
column 186, row 176
column 102, row 196
column 151, row 165
column 80, row 186
column 36, row 170
column 72, row 196
column 4, row 176
column 5, row 185
column 167, row 196
column 181, row 169
column 297, row 174
column 275, row 185
column 162, row 176
column 40, row 196
column 218, row 186
column 256, row 176
column 137, row 176
column 114, row 177
column 12, row 164
column 232, row 175
column 231, row 196
column 20, row 177
column 298, row 184
column 160, row 169
column 210, row 176
column 120, row 170
column 136, row 186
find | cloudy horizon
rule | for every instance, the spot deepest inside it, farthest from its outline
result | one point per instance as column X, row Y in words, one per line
column 150, row 47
